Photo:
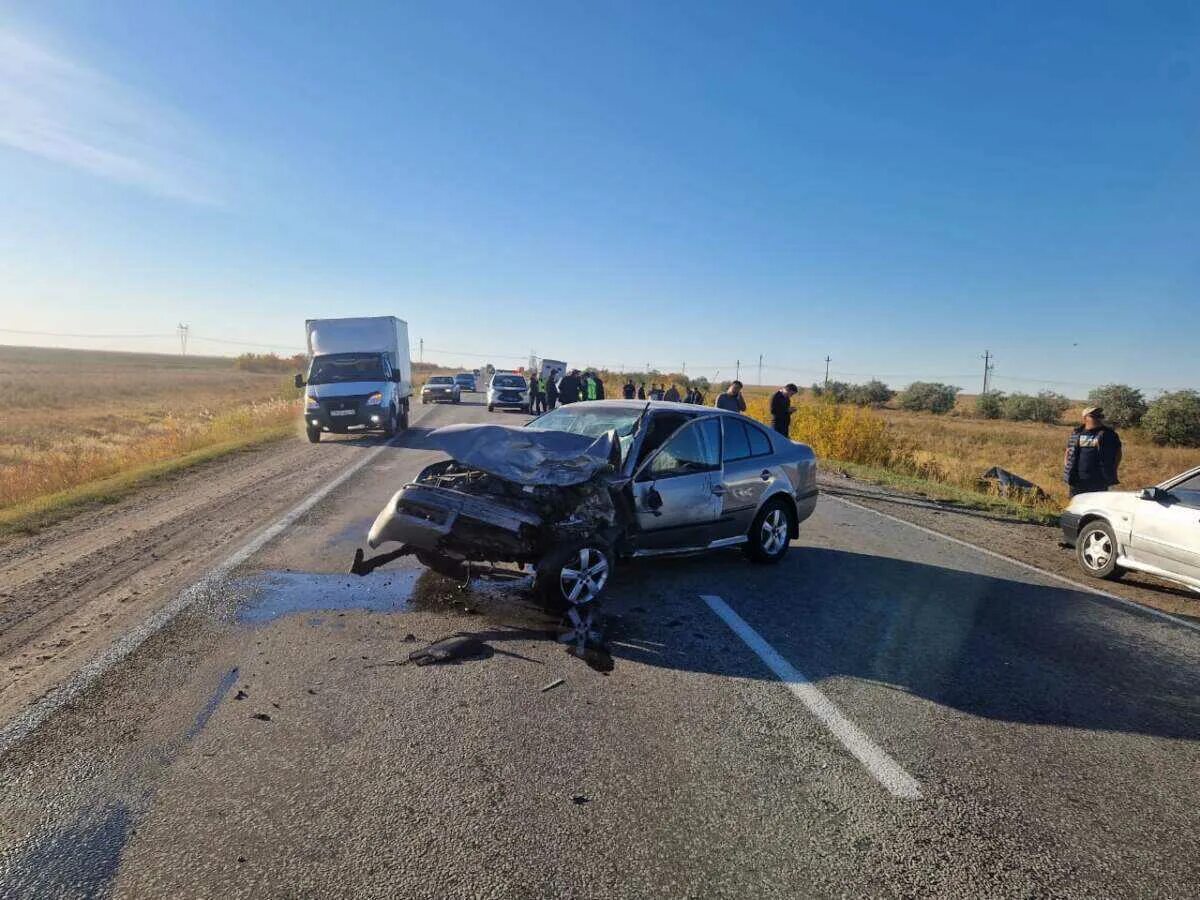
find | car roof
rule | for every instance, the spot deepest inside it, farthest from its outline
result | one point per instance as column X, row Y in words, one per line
column 656, row 406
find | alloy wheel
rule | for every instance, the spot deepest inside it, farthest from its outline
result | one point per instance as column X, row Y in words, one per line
column 583, row 577
column 1097, row 550
column 773, row 536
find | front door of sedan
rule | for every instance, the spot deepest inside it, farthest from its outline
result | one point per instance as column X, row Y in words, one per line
column 675, row 494
column 1166, row 532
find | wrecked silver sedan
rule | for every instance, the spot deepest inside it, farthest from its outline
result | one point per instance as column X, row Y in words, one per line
column 589, row 483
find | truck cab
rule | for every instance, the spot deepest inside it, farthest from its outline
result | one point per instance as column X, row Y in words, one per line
column 358, row 376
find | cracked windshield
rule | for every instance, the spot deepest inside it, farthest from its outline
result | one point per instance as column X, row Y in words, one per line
column 538, row 449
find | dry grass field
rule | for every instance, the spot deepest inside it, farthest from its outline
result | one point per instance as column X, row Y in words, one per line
column 73, row 417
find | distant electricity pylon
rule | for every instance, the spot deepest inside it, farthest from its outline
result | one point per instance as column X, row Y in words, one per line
column 182, row 331
column 988, row 366
column 827, row 361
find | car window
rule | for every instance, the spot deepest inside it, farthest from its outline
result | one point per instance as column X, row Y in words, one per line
column 760, row 444
column 440, row 379
column 737, row 444
column 697, row 448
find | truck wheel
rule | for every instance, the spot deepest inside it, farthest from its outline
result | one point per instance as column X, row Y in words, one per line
column 314, row 434
column 389, row 424
column 770, row 532
column 1096, row 550
column 574, row 574
column 491, row 408
column 404, row 417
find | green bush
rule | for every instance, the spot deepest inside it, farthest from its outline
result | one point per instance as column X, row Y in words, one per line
column 837, row 391
column 873, row 393
column 1123, row 405
column 1174, row 419
column 929, row 396
column 990, row 405
column 1047, row 406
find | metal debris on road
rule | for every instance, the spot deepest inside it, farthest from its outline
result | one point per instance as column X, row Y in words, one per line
column 449, row 650
column 262, row 717
column 555, row 683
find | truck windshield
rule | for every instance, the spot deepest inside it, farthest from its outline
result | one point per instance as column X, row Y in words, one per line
column 340, row 367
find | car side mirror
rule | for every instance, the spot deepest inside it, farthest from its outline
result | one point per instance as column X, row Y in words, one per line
column 299, row 381
column 653, row 500
column 1155, row 495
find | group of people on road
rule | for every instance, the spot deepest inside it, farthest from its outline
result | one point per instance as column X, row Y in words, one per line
column 633, row 391
column 555, row 389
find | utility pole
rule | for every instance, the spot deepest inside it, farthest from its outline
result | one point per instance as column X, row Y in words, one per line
column 827, row 370
column 685, row 370
column 987, row 369
column 182, row 331
column 737, row 371
column 760, row 369
column 421, row 350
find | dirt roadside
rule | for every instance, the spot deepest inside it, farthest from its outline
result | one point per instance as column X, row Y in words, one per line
column 68, row 592
column 1036, row 545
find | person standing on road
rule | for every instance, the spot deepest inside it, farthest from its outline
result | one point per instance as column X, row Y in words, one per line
column 642, row 391
column 569, row 388
column 533, row 394
column 599, row 383
column 628, row 390
column 781, row 408
column 672, row 394
column 731, row 398
column 656, row 392
column 542, row 386
column 552, row 390
column 1093, row 455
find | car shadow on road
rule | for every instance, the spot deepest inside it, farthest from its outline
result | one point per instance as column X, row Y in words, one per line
column 987, row 646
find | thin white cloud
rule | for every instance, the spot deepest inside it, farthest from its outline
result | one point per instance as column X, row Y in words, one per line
column 62, row 111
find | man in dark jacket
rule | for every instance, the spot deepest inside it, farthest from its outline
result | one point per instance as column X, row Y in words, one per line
column 642, row 391
column 552, row 389
column 629, row 390
column 672, row 394
column 781, row 408
column 1093, row 455
column 731, row 398
column 570, row 387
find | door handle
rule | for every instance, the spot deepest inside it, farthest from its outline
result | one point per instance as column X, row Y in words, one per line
column 765, row 475
column 719, row 490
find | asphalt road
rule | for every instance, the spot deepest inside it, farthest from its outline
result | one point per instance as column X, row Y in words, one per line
column 946, row 724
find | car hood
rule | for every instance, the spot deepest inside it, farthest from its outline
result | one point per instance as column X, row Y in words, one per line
column 527, row 456
column 345, row 389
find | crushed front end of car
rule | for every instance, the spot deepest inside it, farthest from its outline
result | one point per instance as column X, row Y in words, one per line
column 513, row 495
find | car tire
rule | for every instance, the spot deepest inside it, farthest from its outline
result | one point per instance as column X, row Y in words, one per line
column 423, row 401
column 389, row 424
column 574, row 574
column 770, row 533
column 1096, row 549
column 404, row 417
column 314, row 434
column 491, row 408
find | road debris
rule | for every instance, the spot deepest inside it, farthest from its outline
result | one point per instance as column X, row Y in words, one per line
column 449, row 650
column 552, row 685
column 580, row 799
column 240, row 695
column 262, row 717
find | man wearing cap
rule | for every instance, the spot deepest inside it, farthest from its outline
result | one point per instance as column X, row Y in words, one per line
column 1093, row 455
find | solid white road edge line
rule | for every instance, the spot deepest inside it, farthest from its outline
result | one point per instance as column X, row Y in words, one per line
column 882, row 767
column 31, row 718
column 1062, row 579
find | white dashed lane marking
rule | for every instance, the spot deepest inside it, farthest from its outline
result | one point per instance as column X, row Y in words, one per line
column 882, row 767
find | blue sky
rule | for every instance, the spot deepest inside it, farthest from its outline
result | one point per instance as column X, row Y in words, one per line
column 900, row 186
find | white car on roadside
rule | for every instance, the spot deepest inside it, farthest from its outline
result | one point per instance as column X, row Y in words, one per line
column 1155, row 530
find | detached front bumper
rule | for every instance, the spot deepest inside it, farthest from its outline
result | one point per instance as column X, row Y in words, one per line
column 1070, row 527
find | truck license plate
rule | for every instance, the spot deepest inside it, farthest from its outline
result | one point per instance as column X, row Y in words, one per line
column 341, row 412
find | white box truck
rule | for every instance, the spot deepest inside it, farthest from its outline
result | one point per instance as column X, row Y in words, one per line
column 359, row 376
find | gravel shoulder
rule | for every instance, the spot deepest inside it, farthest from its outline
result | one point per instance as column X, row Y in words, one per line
column 1035, row 545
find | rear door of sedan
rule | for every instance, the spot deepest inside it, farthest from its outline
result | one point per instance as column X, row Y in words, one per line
column 746, row 474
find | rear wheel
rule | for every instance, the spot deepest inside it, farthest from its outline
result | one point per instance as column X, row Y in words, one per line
column 1096, row 550
column 314, row 434
column 770, row 533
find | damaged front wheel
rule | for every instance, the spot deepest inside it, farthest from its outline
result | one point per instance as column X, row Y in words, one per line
column 574, row 574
